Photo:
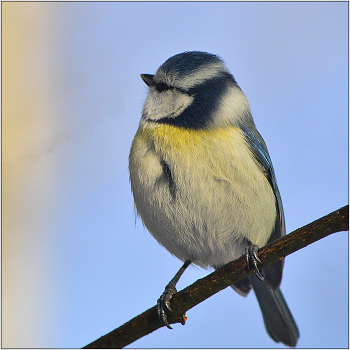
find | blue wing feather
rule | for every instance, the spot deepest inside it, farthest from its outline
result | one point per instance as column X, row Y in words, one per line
column 259, row 150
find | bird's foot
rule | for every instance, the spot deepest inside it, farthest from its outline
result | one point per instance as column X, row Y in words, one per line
column 163, row 304
column 252, row 260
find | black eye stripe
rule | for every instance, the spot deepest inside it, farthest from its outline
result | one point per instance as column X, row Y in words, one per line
column 222, row 80
column 160, row 87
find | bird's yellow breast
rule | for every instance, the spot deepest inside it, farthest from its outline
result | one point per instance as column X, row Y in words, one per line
column 184, row 142
column 173, row 136
column 193, row 155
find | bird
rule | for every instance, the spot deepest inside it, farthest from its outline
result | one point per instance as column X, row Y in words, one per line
column 203, row 182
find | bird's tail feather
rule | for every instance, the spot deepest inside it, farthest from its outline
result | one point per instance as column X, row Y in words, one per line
column 278, row 320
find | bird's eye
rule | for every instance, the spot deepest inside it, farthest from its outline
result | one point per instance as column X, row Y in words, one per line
column 160, row 87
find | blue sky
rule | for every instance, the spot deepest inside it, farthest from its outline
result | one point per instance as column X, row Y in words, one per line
column 75, row 265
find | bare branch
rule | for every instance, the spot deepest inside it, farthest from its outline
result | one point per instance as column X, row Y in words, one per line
column 232, row 272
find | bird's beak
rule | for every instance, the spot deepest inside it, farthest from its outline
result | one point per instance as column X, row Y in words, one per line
column 147, row 78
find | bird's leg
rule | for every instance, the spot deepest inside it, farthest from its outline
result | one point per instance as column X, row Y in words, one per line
column 163, row 302
column 252, row 260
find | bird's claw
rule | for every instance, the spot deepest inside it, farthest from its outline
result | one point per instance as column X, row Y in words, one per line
column 163, row 304
column 252, row 260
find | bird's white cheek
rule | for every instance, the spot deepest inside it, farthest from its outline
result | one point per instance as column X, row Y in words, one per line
column 233, row 106
column 168, row 104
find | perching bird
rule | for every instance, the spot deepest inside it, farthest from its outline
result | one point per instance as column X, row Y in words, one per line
column 203, row 181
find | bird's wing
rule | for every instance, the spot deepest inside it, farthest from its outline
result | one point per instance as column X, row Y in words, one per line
column 258, row 147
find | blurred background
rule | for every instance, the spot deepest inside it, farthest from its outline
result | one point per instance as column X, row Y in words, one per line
column 74, row 264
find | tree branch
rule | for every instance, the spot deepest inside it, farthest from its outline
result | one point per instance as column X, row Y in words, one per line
column 230, row 273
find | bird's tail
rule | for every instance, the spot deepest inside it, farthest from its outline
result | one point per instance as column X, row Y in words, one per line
column 278, row 320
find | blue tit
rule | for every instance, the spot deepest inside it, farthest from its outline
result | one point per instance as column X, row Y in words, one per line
column 203, row 181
